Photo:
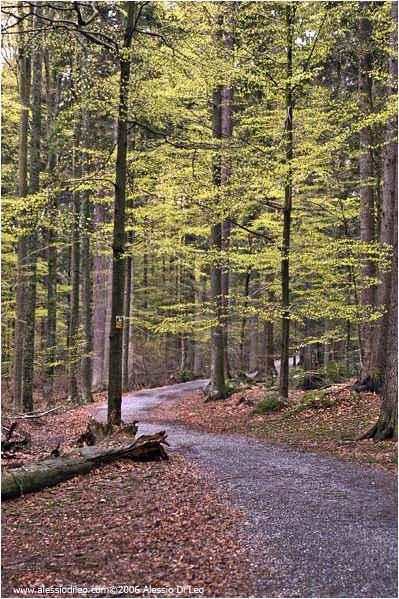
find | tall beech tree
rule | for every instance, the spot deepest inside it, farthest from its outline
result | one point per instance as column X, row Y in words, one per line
column 366, row 171
column 227, row 131
column 99, row 272
column 118, row 242
column 383, row 373
column 217, row 334
column 290, row 10
column 31, row 241
column 74, row 329
column 86, row 367
column 52, row 101
column 24, row 72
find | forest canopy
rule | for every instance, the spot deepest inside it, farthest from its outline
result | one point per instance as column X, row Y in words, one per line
column 198, row 188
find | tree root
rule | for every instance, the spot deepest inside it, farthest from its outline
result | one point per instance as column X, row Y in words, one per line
column 380, row 432
column 369, row 383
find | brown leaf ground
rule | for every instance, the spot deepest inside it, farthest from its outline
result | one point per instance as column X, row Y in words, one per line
column 333, row 430
column 159, row 524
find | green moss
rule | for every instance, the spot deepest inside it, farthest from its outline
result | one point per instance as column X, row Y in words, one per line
column 270, row 404
column 315, row 400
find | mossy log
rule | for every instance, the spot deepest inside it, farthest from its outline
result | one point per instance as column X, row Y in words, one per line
column 54, row 470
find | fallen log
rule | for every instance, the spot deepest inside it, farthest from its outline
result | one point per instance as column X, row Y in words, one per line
column 54, row 470
column 96, row 432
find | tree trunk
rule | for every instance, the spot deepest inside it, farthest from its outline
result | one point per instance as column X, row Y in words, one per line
column 51, row 301
column 285, row 276
column 244, row 320
column 107, row 323
column 270, row 369
column 227, row 131
column 31, row 245
column 198, row 345
column 387, row 424
column 75, row 280
column 98, row 299
column 50, row 328
column 86, row 362
column 118, row 243
column 367, row 225
column 389, row 200
column 126, row 324
column 145, row 281
column 19, row 331
column 254, row 326
column 131, row 354
column 54, row 470
column 218, row 390
column 225, row 243
column 307, row 363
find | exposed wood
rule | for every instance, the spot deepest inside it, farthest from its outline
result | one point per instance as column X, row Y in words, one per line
column 54, row 470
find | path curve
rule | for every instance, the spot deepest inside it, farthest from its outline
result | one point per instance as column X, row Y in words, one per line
column 316, row 526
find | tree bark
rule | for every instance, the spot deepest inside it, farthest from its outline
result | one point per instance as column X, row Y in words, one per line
column 254, row 326
column 118, row 243
column 387, row 425
column 107, row 323
column 367, row 225
column 24, row 69
column 54, row 470
column 244, row 320
column 131, row 354
column 386, row 238
column 145, row 281
column 285, row 276
column 198, row 345
column 51, row 328
column 31, row 244
column 75, row 280
column 86, row 362
column 270, row 369
column 126, row 324
column 217, row 390
column 307, row 363
column 227, row 131
column 98, row 298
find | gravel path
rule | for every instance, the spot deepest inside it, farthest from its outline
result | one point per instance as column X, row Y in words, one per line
column 316, row 526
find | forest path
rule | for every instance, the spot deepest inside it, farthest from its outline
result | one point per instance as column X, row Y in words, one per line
column 315, row 526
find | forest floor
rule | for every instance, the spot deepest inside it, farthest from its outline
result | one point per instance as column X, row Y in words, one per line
column 158, row 524
column 333, row 429
column 314, row 525
column 229, row 514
